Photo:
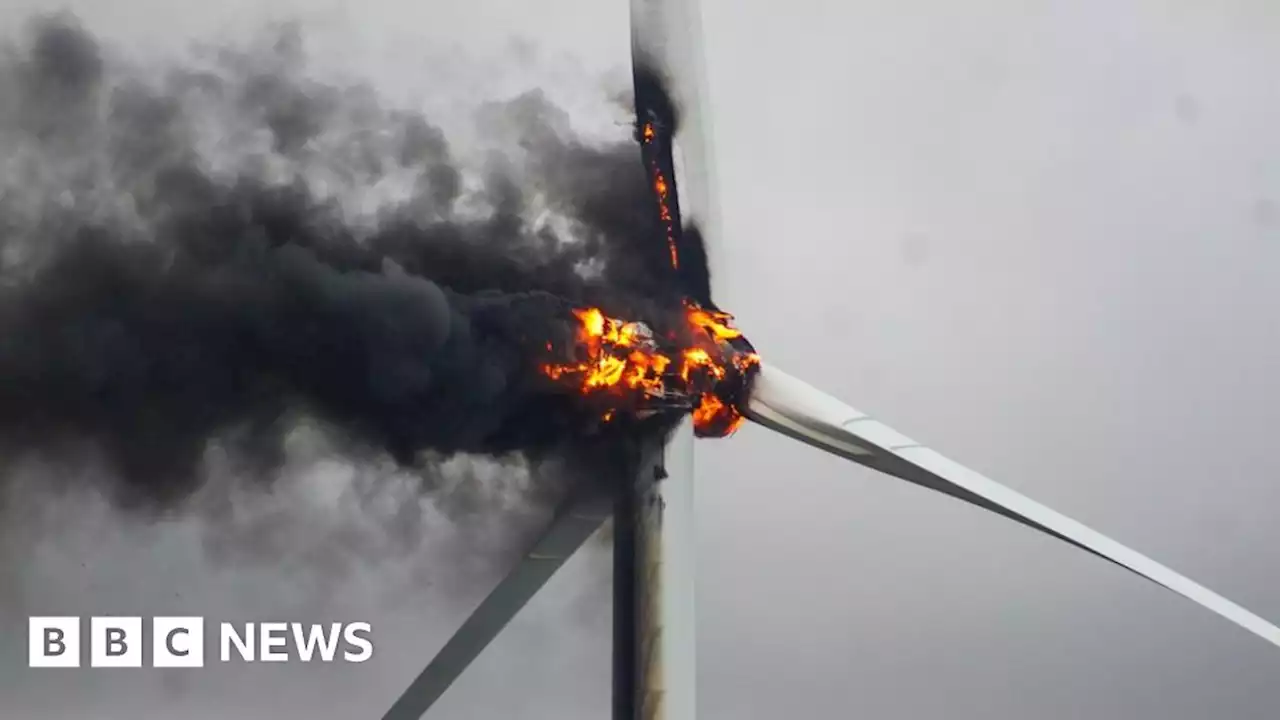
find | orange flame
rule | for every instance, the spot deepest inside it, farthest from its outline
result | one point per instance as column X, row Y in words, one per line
column 622, row 358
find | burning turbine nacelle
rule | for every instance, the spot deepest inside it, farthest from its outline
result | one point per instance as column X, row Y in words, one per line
column 622, row 367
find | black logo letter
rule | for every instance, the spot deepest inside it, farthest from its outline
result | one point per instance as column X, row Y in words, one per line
column 53, row 638
column 168, row 642
column 115, row 642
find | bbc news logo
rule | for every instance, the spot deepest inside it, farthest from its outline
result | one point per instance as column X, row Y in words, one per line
column 178, row 642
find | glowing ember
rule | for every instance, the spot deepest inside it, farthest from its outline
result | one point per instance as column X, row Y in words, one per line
column 622, row 363
column 662, row 188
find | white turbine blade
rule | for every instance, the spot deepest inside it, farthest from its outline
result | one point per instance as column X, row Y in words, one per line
column 795, row 408
column 670, row 659
column 576, row 520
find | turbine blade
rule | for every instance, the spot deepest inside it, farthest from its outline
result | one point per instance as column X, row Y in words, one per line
column 575, row 521
column 794, row 408
column 669, row 73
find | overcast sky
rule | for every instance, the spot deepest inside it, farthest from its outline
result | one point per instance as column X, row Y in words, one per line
column 1042, row 238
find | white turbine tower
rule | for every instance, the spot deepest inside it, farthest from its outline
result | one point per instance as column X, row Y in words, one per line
column 654, row 640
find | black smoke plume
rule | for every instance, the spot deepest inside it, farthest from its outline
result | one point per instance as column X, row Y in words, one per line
column 154, row 295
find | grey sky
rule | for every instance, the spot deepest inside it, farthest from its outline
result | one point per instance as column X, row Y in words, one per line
column 1042, row 240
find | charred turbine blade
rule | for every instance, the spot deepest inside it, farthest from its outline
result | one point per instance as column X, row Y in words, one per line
column 795, row 408
column 673, row 128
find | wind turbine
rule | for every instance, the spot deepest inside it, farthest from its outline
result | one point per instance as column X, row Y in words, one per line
column 654, row 638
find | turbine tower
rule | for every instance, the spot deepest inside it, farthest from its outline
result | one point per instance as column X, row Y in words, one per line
column 652, row 500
